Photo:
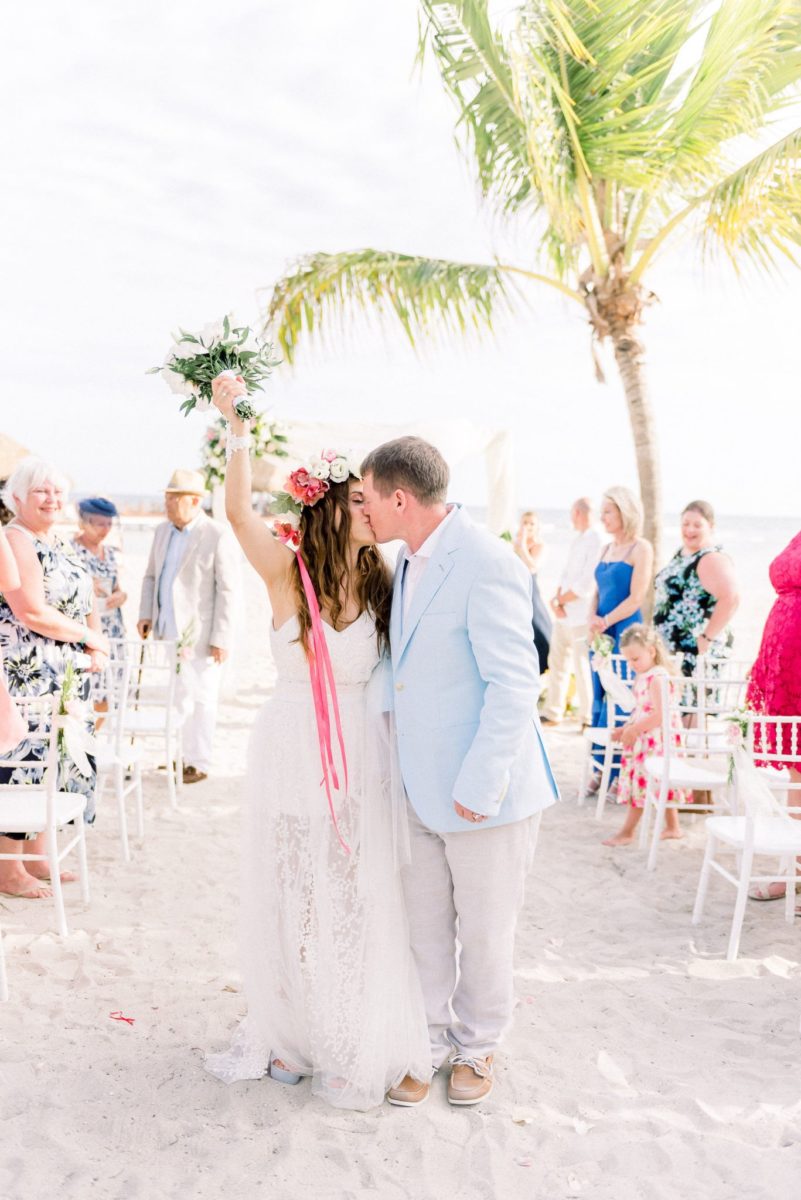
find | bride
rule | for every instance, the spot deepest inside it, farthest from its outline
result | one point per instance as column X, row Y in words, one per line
column 331, row 989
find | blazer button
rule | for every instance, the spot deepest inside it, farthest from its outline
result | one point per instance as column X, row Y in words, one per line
column 398, row 687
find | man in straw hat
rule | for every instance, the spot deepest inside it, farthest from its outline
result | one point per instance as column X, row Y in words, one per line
column 188, row 595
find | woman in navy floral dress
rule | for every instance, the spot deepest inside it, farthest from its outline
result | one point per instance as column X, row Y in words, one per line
column 96, row 517
column 50, row 621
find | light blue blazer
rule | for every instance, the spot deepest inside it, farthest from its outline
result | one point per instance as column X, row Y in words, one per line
column 465, row 683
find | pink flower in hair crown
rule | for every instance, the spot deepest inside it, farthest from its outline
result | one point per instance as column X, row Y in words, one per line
column 305, row 488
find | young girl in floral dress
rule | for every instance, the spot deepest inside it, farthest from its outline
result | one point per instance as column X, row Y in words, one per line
column 641, row 736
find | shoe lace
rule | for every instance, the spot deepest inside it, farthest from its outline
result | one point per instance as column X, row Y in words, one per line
column 481, row 1066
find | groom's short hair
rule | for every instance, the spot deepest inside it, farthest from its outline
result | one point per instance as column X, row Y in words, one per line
column 409, row 464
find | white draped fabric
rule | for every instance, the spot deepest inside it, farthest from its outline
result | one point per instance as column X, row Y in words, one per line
column 457, row 440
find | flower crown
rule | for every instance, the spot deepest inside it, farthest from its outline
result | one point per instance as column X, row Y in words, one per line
column 304, row 487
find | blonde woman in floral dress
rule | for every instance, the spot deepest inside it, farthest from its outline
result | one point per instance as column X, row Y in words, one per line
column 47, row 623
column 641, row 736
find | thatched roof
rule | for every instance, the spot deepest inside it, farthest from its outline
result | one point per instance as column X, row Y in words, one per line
column 10, row 454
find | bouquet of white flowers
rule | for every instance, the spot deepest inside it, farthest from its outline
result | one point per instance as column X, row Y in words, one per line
column 196, row 359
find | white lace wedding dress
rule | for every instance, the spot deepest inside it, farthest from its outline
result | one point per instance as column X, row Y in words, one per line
column 329, row 980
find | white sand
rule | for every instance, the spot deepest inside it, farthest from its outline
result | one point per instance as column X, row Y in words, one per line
column 640, row 1064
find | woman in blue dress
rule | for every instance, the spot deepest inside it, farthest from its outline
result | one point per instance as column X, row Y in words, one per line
column 622, row 579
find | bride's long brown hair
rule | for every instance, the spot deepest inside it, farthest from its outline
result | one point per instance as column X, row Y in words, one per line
column 325, row 546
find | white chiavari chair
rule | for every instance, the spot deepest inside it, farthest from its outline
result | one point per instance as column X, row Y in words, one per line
column 152, row 713
column 598, row 741
column 30, row 807
column 118, row 757
column 764, row 825
column 695, row 757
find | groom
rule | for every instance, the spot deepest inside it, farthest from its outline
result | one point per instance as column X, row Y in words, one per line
column 466, row 683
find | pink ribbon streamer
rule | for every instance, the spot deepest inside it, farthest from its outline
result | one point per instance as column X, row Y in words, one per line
column 321, row 674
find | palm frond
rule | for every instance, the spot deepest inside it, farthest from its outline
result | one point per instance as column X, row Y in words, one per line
column 474, row 66
column 755, row 212
column 750, row 60
column 424, row 294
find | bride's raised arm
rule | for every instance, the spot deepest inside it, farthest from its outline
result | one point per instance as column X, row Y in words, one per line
column 264, row 552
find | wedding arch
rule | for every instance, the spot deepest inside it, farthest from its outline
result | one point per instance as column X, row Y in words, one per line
column 459, row 441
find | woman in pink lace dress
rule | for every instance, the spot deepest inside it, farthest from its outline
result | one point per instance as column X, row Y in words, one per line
column 775, row 687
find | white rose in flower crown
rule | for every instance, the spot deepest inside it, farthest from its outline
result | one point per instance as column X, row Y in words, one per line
column 339, row 470
column 320, row 469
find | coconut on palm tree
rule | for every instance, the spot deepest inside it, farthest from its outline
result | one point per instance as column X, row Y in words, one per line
column 615, row 124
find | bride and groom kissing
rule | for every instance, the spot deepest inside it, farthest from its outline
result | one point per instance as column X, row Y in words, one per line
column 379, row 908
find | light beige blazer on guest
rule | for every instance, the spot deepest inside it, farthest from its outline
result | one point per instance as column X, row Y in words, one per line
column 205, row 587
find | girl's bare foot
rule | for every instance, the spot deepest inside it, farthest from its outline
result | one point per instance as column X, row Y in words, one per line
column 668, row 835
column 23, row 886
column 619, row 839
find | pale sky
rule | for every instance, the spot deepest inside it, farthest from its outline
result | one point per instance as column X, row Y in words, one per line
column 165, row 161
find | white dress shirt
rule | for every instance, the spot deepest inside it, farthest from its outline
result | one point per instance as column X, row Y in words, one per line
column 415, row 564
column 579, row 574
column 176, row 549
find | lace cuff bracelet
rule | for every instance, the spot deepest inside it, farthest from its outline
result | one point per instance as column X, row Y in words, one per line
column 233, row 443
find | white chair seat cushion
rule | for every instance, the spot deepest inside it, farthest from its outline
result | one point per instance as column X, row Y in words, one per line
column 685, row 773
column 149, row 720
column 772, row 835
column 23, row 809
column 106, row 757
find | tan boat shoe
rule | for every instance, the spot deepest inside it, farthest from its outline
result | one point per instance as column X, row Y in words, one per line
column 471, row 1080
column 409, row 1093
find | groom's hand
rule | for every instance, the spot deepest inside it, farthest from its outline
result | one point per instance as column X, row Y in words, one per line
column 468, row 815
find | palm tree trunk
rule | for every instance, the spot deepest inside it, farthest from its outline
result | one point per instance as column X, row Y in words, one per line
column 630, row 356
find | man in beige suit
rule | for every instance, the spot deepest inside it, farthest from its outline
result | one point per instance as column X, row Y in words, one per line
column 188, row 594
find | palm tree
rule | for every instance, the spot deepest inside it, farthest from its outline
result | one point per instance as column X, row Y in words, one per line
column 615, row 124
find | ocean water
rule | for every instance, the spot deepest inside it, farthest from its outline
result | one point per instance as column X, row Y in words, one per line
column 752, row 542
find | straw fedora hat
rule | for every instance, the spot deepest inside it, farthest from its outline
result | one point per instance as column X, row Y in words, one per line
column 190, row 483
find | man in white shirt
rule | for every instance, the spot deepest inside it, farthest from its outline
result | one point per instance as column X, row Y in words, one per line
column 570, row 605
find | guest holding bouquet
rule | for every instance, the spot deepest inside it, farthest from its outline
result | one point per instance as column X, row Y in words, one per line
column 46, row 623
column 696, row 593
column 622, row 578
column 96, row 517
